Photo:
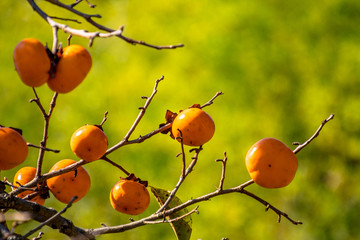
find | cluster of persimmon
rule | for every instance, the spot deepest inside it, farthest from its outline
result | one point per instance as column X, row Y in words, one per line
column 270, row 163
column 63, row 71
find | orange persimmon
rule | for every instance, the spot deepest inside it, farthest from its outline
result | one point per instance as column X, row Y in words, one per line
column 73, row 66
column 271, row 164
column 70, row 184
column 32, row 62
column 196, row 126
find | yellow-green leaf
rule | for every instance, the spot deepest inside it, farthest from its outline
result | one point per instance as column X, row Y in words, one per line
column 181, row 227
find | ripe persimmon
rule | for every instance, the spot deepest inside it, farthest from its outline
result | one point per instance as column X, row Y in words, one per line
column 129, row 197
column 70, row 184
column 13, row 148
column 23, row 176
column 196, row 126
column 89, row 142
column 73, row 66
column 271, row 164
column 32, row 62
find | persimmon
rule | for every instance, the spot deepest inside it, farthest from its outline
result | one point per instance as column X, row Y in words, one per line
column 73, row 66
column 271, row 164
column 23, row 176
column 13, row 148
column 89, row 142
column 70, row 184
column 196, row 127
column 32, row 62
column 129, row 197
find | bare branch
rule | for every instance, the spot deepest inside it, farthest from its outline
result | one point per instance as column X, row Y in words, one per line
column 116, row 165
column 269, row 206
column 211, row 101
column 223, row 164
column 89, row 18
column 104, row 119
column 46, row 149
column 45, row 133
column 50, row 219
column 143, row 109
column 195, row 210
column 181, row 180
column 301, row 146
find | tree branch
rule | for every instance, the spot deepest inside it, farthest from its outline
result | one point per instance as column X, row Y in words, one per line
column 50, row 219
column 301, row 146
column 143, row 109
column 89, row 18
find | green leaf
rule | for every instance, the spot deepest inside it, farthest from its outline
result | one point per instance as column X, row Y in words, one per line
column 181, row 227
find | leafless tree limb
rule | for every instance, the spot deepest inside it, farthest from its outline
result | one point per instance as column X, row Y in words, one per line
column 50, row 219
column 89, row 18
column 301, row 146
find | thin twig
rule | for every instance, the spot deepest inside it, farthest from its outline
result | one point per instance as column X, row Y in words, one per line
column 143, row 109
column 181, row 179
column 182, row 154
column 269, row 206
column 45, row 133
column 301, row 146
column 46, row 149
column 104, row 119
column 195, row 210
column 211, row 101
column 223, row 164
column 50, row 219
column 116, row 165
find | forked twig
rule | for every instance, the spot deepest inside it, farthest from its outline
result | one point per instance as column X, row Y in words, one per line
column 89, row 18
column 181, row 179
column 46, row 117
column 223, row 164
column 143, row 109
column 195, row 210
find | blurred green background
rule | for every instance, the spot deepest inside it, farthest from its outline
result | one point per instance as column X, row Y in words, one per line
column 284, row 66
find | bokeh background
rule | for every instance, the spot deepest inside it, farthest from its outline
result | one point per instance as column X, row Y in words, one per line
column 283, row 66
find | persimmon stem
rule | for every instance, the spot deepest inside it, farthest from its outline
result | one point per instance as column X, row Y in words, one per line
column 116, row 165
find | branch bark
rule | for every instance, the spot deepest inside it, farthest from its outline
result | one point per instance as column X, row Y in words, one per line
column 89, row 18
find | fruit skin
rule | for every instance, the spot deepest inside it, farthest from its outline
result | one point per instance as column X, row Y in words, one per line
column 67, row 185
column 89, row 142
column 129, row 197
column 23, row 176
column 197, row 127
column 13, row 148
column 271, row 164
column 73, row 66
column 32, row 62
